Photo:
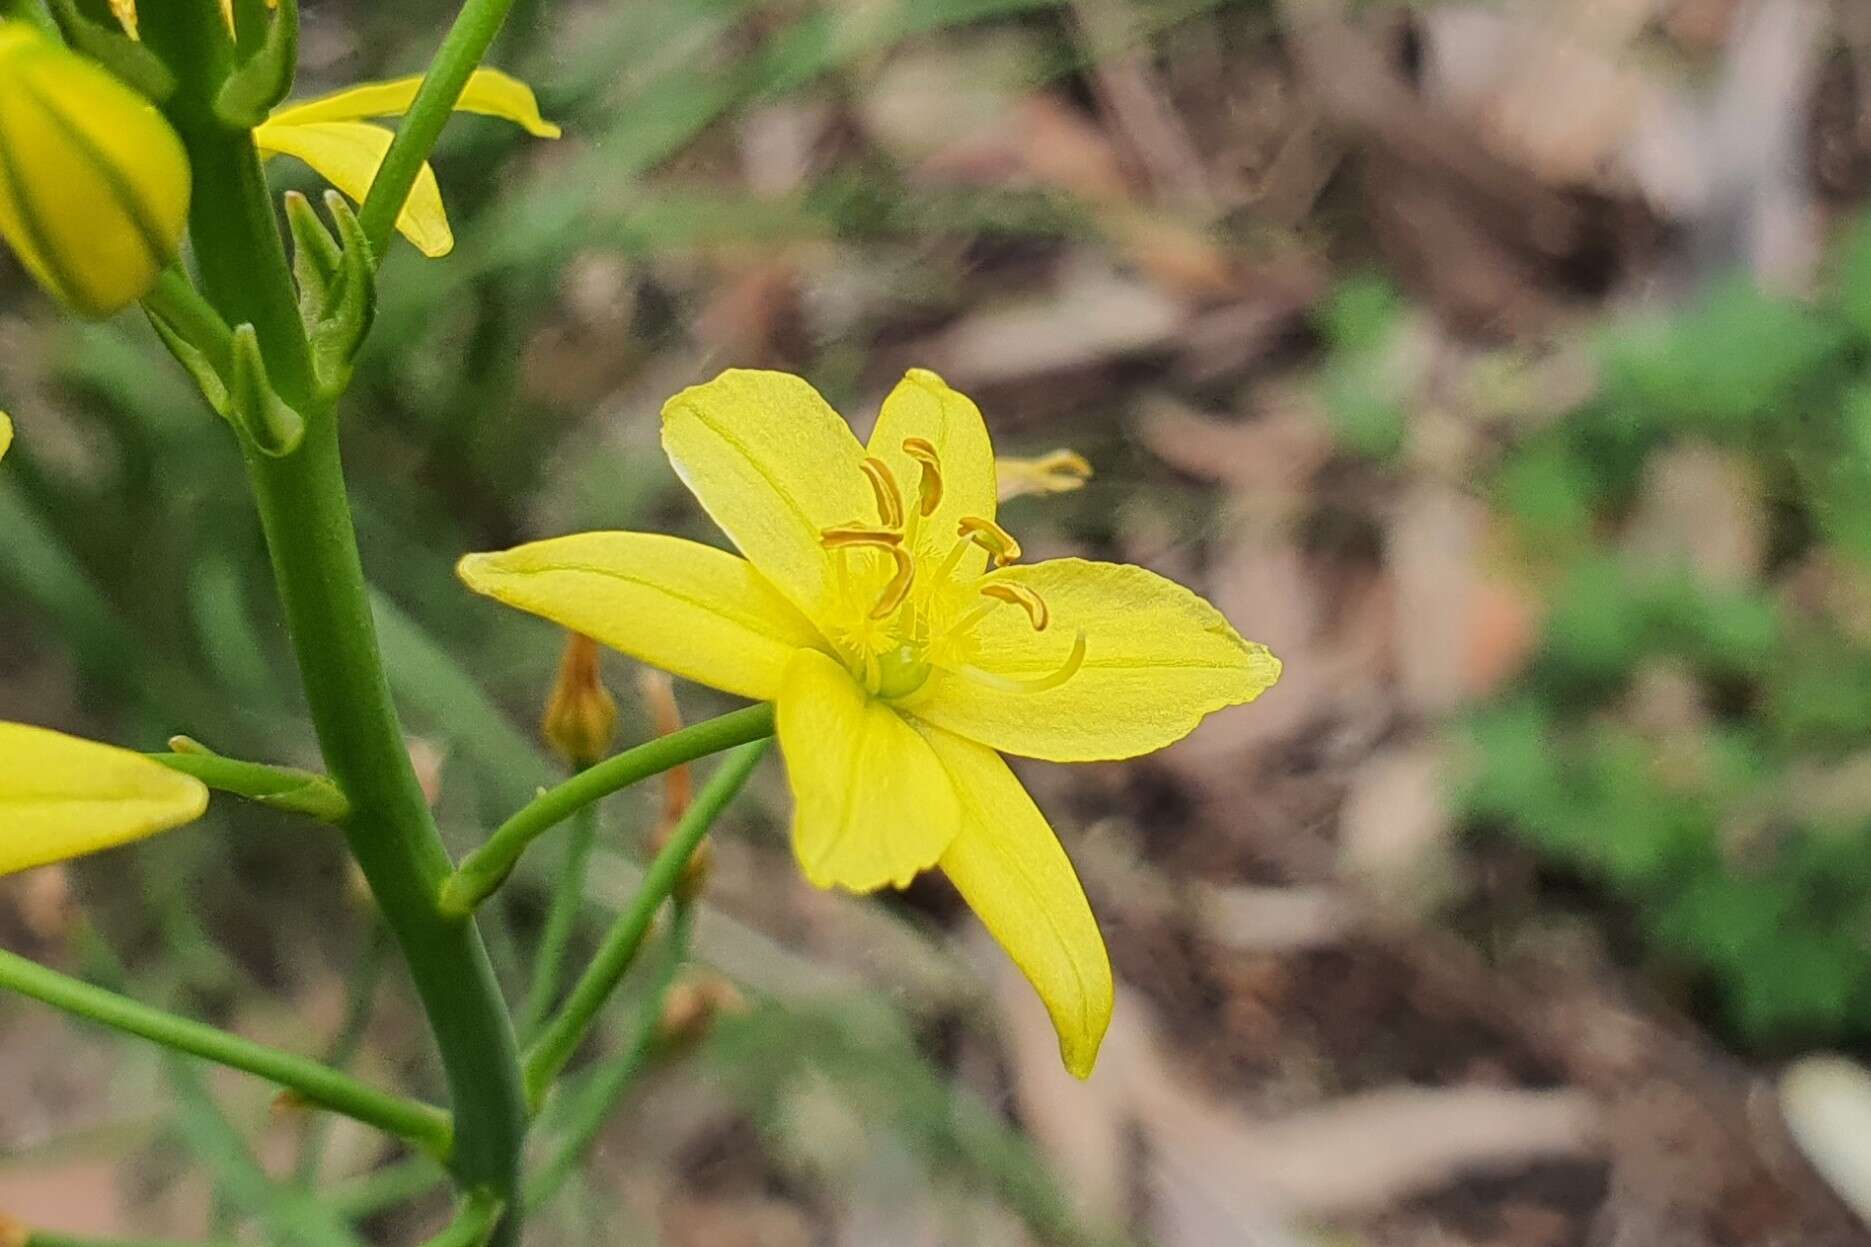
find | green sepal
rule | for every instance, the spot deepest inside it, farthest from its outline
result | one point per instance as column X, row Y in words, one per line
column 316, row 258
column 350, row 303
column 194, row 361
column 263, row 79
column 274, row 428
column 279, row 787
column 110, row 47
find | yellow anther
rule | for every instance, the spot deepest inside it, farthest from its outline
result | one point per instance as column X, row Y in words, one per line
column 890, row 543
column 1011, row 684
column 884, row 485
column 858, row 535
column 899, row 586
column 991, row 537
column 923, row 451
column 1032, row 603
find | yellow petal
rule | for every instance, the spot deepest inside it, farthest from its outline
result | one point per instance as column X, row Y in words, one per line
column 348, row 154
column 923, row 406
column 690, row 609
column 489, row 93
column 871, row 804
column 773, row 465
column 1158, row 659
column 6, row 434
column 94, row 184
column 63, row 797
column 1014, row 874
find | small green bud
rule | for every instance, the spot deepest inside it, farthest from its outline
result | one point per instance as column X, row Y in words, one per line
column 316, row 258
column 94, row 184
column 350, row 304
column 264, row 78
column 254, row 407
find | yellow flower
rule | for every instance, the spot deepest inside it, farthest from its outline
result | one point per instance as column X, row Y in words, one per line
column 332, row 135
column 62, row 797
column 881, row 607
column 6, row 433
column 94, row 184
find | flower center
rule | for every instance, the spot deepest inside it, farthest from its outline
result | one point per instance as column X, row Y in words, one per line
column 900, row 611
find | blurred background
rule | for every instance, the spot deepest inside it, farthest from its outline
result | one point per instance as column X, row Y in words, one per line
column 1505, row 367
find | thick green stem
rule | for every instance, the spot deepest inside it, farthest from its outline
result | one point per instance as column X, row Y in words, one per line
column 305, row 514
column 485, row 869
column 568, row 900
column 454, row 63
column 548, row 1055
column 422, row 1124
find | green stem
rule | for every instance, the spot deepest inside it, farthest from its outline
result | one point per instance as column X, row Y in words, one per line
column 454, row 63
column 305, row 513
column 555, row 1045
column 282, row 787
column 421, row 1124
column 485, row 869
column 594, row 1103
column 568, row 901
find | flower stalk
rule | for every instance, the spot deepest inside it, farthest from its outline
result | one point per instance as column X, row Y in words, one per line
column 422, row 1124
column 547, row 1055
column 454, row 63
column 485, row 869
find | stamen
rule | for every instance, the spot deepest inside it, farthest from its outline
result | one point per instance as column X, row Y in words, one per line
column 1032, row 603
column 899, row 586
column 923, row 451
column 890, row 543
column 858, row 535
column 991, row 537
column 1010, row 684
column 884, row 485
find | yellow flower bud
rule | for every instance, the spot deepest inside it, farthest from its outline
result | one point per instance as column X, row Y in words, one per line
column 94, row 184
column 581, row 716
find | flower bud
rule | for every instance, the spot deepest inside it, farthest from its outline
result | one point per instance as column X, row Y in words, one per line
column 690, row 1010
column 94, row 184
column 581, row 716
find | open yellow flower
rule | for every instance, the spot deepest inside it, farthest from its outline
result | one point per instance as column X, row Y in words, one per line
column 333, row 135
column 61, row 797
column 881, row 607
